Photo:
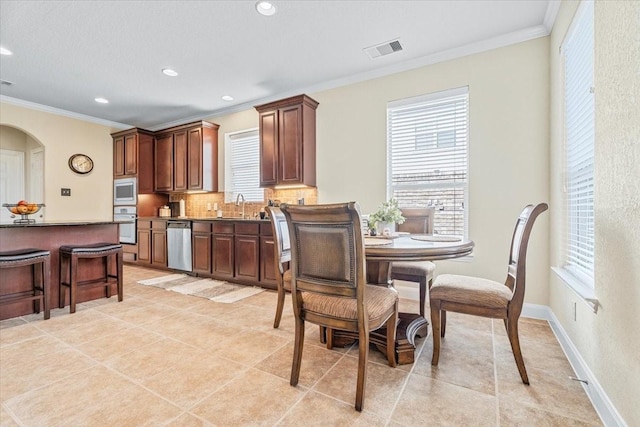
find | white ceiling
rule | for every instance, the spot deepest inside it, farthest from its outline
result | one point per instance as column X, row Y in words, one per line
column 66, row 53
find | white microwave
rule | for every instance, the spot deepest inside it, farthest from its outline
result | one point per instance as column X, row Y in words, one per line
column 125, row 191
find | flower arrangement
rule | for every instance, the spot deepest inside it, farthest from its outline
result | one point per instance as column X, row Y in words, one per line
column 387, row 212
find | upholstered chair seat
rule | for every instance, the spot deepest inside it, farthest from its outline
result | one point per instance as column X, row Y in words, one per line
column 470, row 290
column 415, row 268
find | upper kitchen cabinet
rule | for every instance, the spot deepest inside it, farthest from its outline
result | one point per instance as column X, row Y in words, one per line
column 132, row 154
column 288, row 142
column 186, row 158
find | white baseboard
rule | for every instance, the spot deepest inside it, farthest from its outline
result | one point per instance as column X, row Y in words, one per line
column 599, row 399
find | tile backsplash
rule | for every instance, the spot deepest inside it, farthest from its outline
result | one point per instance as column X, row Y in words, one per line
column 196, row 204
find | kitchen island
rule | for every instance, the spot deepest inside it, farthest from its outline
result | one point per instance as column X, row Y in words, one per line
column 50, row 236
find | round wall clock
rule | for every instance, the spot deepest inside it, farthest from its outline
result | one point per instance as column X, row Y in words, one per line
column 81, row 163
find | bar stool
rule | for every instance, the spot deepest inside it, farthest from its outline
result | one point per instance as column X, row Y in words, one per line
column 39, row 292
column 72, row 253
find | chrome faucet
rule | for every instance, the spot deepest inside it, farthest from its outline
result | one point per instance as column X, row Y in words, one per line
column 238, row 203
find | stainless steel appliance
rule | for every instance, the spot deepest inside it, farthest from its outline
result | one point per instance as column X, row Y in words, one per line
column 179, row 245
column 128, row 228
column 125, row 191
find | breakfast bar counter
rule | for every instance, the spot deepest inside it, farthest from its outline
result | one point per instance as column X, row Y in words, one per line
column 50, row 236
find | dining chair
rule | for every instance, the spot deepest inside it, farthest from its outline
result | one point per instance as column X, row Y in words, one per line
column 417, row 221
column 282, row 257
column 328, row 282
column 487, row 298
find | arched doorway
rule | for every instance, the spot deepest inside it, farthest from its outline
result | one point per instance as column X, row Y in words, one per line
column 21, row 170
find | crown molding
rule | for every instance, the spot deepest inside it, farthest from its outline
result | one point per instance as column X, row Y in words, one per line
column 61, row 112
column 552, row 13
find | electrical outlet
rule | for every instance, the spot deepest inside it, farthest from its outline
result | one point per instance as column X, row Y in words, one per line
column 65, row 192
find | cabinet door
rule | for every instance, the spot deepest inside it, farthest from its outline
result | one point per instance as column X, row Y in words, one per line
column 159, row 248
column 247, row 252
column 201, row 252
column 163, row 165
column 290, row 145
column 267, row 262
column 118, row 156
column 223, row 255
column 144, row 246
column 180, row 156
column 195, row 161
column 131, row 154
column 268, row 148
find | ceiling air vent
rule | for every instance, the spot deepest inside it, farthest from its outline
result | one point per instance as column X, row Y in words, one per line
column 383, row 49
column 6, row 83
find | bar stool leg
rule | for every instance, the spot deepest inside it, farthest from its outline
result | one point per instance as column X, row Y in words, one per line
column 35, row 272
column 106, row 261
column 46, row 270
column 119, row 261
column 61, row 275
column 73, row 283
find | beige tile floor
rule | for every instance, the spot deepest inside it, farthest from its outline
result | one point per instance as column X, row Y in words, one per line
column 164, row 359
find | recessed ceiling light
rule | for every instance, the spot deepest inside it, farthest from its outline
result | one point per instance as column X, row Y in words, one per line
column 265, row 8
column 227, row 98
column 169, row 72
column 101, row 100
column 5, row 51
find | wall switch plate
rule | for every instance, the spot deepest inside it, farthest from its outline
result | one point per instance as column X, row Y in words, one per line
column 65, row 192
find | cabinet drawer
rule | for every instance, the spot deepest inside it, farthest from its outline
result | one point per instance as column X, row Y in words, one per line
column 247, row 228
column 223, row 227
column 159, row 225
column 201, row 227
column 144, row 224
column 266, row 229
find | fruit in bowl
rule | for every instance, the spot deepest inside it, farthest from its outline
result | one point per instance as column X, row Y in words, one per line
column 23, row 209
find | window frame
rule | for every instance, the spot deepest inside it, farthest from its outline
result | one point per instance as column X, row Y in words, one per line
column 230, row 193
column 433, row 98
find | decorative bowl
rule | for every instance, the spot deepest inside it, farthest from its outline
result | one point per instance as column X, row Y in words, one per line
column 23, row 209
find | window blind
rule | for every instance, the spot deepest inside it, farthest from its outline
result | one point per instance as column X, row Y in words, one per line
column 242, row 166
column 427, row 157
column 579, row 133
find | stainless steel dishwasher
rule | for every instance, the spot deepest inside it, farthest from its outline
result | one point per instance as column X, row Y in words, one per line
column 179, row 245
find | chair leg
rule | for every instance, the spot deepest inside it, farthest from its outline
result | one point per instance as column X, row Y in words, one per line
column 443, row 322
column 280, row 307
column 323, row 334
column 46, row 271
column 106, row 262
column 62, row 274
column 36, row 279
column 73, row 283
column 297, row 351
column 423, row 294
column 363, row 355
column 512, row 331
column 120, row 279
column 391, row 338
column 435, row 325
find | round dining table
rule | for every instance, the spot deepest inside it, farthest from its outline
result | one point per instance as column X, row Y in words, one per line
column 380, row 252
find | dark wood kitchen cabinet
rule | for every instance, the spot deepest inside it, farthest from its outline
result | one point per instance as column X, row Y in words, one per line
column 223, row 249
column 152, row 242
column 133, row 157
column 288, row 142
column 247, row 251
column 186, row 158
column 201, row 247
column 267, row 254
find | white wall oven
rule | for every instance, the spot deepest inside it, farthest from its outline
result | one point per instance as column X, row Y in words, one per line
column 126, row 214
column 125, row 192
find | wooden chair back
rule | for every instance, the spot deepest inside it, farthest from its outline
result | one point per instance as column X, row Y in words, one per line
column 417, row 220
column 327, row 249
column 280, row 236
column 516, row 270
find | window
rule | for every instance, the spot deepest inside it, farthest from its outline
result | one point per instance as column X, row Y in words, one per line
column 579, row 142
column 242, row 166
column 427, row 143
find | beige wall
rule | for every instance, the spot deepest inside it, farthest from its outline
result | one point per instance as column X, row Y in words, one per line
column 608, row 341
column 91, row 194
column 509, row 154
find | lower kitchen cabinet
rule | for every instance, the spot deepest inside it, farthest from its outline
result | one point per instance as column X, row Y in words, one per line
column 152, row 242
column 201, row 247
column 267, row 257
column 223, row 250
column 247, row 251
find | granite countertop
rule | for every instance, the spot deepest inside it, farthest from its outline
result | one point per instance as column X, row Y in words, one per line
column 205, row 218
column 64, row 223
